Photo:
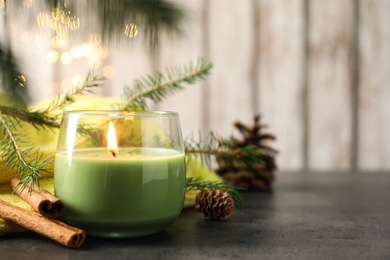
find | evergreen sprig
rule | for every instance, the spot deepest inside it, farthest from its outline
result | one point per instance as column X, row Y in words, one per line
column 156, row 88
column 16, row 148
column 62, row 101
column 50, row 116
column 18, row 153
column 223, row 151
column 35, row 118
column 199, row 184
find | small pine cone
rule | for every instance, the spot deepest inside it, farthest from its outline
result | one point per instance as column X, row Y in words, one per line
column 214, row 204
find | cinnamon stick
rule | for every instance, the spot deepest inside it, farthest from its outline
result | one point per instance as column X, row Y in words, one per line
column 39, row 199
column 54, row 229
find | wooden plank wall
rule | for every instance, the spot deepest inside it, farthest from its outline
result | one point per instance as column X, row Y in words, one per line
column 330, row 39
column 317, row 71
column 374, row 85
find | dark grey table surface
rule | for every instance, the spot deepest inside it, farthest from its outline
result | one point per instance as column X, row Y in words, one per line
column 307, row 216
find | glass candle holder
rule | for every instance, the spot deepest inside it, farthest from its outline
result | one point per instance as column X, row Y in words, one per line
column 120, row 174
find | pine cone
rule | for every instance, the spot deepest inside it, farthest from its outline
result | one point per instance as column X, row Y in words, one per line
column 214, row 204
column 259, row 176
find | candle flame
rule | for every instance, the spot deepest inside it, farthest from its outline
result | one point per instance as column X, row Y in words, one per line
column 112, row 145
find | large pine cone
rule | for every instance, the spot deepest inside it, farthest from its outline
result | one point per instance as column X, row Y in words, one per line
column 214, row 204
column 254, row 177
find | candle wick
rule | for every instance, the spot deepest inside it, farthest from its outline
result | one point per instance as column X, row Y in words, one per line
column 113, row 153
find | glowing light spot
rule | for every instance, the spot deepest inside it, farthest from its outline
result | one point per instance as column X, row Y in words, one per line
column 43, row 20
column 66, row 58
column 94, row 40
column 74, row 23
column 74, row 52
column 86, row 50
column 61, row 21
column 52, row 56
column 21, row 80
column 131, row 30
column 108, row 71
column 59, row 41
column 54, row 43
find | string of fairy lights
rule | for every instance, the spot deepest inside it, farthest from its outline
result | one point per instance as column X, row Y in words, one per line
column 56, row 27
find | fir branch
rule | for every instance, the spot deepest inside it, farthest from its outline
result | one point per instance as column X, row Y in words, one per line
column 223, row 150
column 204, row 148
column 199, row 184
column 16, row 147
column 158, row 87
column 18, row 153
column 33, row 118
column 61, row 101
column 47, row 117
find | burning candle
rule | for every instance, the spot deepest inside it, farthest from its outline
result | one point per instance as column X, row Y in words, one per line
column 133, row 186
column 111, row 140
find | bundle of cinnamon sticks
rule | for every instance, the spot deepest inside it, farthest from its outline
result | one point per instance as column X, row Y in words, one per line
column 43, row 221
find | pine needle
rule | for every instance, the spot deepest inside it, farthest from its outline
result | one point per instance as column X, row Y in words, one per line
column 156, row 88
column 199, row 184
column 18, row 153
column 61, row 101
column 16, row 148
column 47, row 117
column 222, row 149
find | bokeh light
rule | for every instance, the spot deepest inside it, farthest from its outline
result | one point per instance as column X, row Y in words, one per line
column 131, row 30
column 66, row 58
column 108, row 71
column 21, row 80
column 52, row 56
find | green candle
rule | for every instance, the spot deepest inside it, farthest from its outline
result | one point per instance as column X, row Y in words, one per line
column 138, row 192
